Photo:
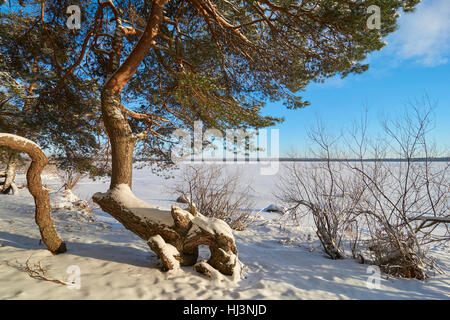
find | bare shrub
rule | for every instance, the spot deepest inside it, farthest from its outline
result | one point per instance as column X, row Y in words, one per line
column 217, row 193
column 394, row 189
column 404, row 200
column 321, row 189
column 70, row 177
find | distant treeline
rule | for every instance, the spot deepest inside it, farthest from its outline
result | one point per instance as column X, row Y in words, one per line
column 443, row 159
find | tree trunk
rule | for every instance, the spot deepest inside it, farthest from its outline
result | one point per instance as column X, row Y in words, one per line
column 41, row 198
column 120, row 136
column 173, row 235
column 10, row 173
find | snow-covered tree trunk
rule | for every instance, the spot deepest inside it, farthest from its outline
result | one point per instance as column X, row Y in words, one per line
column 9, row 186
column 41, row 198
column 173, row 235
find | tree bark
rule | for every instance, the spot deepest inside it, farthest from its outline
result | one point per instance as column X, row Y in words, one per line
column 41, row 198
column 120, row 136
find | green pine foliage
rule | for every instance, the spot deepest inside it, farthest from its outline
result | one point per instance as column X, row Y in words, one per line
column 65, row 122
column 217, row 61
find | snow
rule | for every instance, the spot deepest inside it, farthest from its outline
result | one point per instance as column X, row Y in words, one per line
column 211, row 225
column 214, row 274
column 64, row 203
column 63, row 199
column 280, row 260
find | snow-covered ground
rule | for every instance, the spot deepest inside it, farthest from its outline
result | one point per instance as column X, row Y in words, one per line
column 281, row 260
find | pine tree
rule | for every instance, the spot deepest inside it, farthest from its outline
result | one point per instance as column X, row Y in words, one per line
column 160, row 65
column 63, row 122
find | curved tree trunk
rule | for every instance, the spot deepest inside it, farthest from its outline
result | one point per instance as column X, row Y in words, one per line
column 41, row 198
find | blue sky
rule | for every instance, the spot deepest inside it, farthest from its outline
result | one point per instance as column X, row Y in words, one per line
column 415, row 63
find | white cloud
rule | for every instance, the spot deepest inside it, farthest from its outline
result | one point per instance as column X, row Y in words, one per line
column 424, row 35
